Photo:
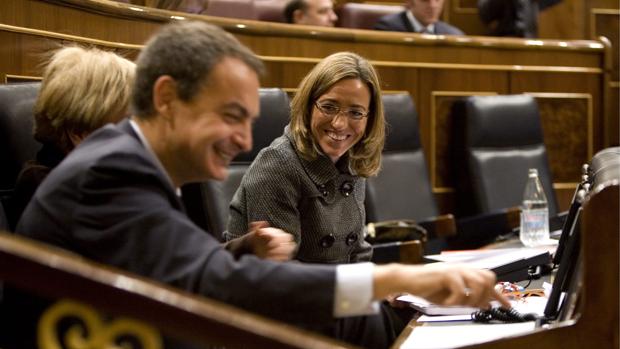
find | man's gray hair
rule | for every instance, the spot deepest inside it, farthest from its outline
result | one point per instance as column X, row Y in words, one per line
column 187, row 52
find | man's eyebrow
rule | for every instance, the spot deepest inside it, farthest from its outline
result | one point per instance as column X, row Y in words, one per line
column 238, row 107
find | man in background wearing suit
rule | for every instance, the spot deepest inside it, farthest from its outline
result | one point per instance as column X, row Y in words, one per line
column 513, row 17
column 114, row 200
column 422, row 16
column 311, row 12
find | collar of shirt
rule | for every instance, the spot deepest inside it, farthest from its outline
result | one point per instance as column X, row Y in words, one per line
column 418, row 27
column 147, row 146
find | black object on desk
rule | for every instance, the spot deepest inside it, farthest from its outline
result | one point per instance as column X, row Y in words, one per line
column 520, row 270
column 512, row 264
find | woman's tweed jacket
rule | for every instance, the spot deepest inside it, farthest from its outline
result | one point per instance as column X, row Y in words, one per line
column 319, row 202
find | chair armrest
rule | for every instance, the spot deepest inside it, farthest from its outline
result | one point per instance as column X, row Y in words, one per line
column 440, row 226
column 406, row 252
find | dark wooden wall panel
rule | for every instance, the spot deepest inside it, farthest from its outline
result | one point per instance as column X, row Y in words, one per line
column 564, row 119
column 607, row 23
column 464, row 15
column 566, row 83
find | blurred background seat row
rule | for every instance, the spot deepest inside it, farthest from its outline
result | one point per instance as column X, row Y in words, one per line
column 350, row 15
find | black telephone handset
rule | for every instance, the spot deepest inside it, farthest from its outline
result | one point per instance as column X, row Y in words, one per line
column 502, row 315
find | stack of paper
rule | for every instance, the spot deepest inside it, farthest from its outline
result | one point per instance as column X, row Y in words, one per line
column 443, row 337
column 441, row 313
column 427, row 308
column 510, row 264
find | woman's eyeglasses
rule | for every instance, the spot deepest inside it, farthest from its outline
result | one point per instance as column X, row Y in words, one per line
column 331, row 110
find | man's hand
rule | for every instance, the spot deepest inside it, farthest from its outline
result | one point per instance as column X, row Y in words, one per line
column 441, row 284
column 391, row 299
column 270, row 243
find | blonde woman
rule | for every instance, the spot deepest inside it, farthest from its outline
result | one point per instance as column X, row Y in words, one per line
column 82, row 90
column 310, row 182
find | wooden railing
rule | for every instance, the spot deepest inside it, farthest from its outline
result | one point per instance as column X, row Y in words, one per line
column 145, row 309
column 569, row 79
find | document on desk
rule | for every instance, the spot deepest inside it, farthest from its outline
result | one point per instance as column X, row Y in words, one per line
column 489, row 259
column 509, row 264
column 428, row 308
column 452, row 336
column 439, row 313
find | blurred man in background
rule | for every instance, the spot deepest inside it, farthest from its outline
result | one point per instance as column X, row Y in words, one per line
column 311, row 12
column 422, row 16
column 512, row 17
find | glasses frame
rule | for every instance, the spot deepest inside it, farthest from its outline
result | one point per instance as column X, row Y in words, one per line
column 339, row 110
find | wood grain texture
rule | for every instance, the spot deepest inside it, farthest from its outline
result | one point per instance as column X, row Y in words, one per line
column 55, row 273
column 406, row 62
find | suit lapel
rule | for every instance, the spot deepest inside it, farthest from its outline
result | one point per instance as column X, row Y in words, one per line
column 440, row 29
column 407, row 24
column 175, row 200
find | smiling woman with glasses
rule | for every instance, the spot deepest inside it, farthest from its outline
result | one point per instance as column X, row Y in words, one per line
column 310, row 182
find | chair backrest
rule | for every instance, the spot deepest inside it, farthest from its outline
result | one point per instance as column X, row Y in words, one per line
column 4, row 225
column 402, row 190
column 270, row 10
column 231, row 8
column 17, row 144
column 502, row 139
column 363, row 16
column 207, row 202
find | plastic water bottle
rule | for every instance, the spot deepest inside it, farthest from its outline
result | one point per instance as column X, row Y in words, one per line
column 534, row 213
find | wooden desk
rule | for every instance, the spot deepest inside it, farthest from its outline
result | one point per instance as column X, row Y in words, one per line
column 596, row 325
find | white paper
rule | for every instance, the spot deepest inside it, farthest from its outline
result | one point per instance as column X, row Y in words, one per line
column 488, row 259
column 443, row 336
column 444, row 318
column 428, row 308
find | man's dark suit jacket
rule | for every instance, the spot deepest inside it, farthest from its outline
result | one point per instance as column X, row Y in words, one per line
column 513, row 17
column 109, row 202
column 399, row 22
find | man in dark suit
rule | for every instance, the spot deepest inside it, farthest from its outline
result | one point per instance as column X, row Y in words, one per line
column 114, row 199
column 422, row 16
column 512, row 17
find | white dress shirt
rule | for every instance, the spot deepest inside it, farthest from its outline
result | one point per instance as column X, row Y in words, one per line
column 419, row 27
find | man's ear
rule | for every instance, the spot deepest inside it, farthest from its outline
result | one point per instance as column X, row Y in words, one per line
column 298, row 16
column 164, row 94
